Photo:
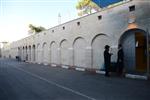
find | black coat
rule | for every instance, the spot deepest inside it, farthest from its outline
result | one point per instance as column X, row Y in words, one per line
column 107, row 58
column 120, row 56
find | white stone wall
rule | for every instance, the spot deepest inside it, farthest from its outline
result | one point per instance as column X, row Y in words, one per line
column 80, row 42
column 5, row 50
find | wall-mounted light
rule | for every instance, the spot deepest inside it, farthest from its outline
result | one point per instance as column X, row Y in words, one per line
column 132, row 26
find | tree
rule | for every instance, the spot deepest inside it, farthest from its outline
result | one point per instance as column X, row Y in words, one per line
column 86, row 7
column 34, row 29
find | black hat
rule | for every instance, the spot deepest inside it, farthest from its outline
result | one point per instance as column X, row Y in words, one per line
column 119, row 45
column 107, row 46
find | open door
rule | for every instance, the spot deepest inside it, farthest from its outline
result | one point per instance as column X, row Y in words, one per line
column 135, row 50
column 141, row 59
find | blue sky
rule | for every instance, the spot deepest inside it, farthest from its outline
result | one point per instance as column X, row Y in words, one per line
column 16, row 15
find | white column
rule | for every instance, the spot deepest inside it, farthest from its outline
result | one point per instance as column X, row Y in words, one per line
column 71, row 57
column 59, row 56
column 31, row 54
column 28, row 53
column 24, row 53
column 40, row 55
column 36, row 53
column 88, row 57
column 49, row 50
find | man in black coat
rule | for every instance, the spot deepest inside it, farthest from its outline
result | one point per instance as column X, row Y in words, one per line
column 107, row 60
column 120, row 60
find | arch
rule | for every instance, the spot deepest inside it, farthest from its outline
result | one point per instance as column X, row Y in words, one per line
column 131, row 31
column 38, row 44
column 98, row 43
column 134, row 46
column 19, row 53
column 50, row 51
column 38, row 53
column 52, row 43
column 33, row 52
column 62, row 42
column 44, row 44
column 79, row 46
column 26, row 53
column 64, row 52
column 97, row 36
column 29, row 53
column 23, row 53
column 45, row 53
column 77, row 39
column 53, row 52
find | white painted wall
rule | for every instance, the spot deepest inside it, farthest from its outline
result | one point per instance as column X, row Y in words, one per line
column 64, row 52
column 83, row 45
column 54, row 53
column 98, row 48
column 80, row 52
column 45, row 53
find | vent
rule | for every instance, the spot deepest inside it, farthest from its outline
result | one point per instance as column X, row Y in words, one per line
column 132, row 8
column 78, row 23
column 99, row 17
column 64, row 28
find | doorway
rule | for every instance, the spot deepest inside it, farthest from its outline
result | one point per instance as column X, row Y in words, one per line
column 141, row 60
column 134, row 46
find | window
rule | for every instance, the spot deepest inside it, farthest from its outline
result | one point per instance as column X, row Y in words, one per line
column 78, row 23
column 52, row 31
column 99, row 17
column 64, row 28
column 132, row 8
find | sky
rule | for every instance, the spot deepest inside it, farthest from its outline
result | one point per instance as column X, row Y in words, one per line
column 16, row 15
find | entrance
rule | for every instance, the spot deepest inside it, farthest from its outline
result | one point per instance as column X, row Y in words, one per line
column 141, row 60
column 134, row 46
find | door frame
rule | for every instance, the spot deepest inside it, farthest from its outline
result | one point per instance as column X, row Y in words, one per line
column 146, row 35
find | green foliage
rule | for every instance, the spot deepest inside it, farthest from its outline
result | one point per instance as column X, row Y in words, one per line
column 34, row 29
column 86, row 7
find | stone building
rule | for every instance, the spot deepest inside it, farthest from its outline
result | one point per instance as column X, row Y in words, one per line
column 80, row 43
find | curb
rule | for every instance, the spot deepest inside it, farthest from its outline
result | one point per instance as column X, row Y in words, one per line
column 96, row 71
column 100, row 72
column 136, row 76
column 45, row 64
column 65, row 67
column 53, row 65
column 80, row 69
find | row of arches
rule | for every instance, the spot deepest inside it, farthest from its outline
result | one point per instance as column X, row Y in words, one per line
column 78, row 54
column 135, row 45
column 27, row 53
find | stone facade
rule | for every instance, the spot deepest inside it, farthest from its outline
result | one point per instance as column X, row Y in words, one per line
column 80, row 42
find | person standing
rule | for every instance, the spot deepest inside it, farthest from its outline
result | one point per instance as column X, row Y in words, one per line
column 120, row 60
column 107, row 60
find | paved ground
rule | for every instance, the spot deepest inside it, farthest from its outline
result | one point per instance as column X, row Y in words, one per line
column 24, row 81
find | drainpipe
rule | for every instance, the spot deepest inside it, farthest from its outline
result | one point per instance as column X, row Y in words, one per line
column 148, row 67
